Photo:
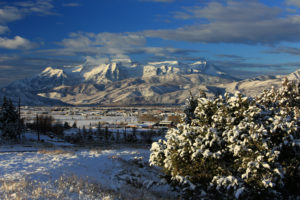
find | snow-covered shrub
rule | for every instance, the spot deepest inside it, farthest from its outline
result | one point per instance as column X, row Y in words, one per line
column 236, row 147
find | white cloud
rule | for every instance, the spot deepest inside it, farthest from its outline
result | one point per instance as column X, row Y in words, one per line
column 233, row 11
column 71, row 4
column 42, row 7
column 77, row 41
column 293, row 3
column 165, row 51
column 96, row 60
column 3, row 29
column 112, row 46
column 9, row 14
column 16, row 43
column 248, row 22
column 4, row 58
column 17, row 11
column 114, row 40
column 115, row 44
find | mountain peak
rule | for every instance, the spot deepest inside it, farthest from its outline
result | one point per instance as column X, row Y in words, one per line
column 51, row 72
column 294, row 75
column 120, row 81
column 103, row 73
column 199, row 63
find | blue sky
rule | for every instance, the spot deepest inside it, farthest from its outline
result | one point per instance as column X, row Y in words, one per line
column 244, row 37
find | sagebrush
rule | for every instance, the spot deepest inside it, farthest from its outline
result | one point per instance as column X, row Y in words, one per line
column 233, row 147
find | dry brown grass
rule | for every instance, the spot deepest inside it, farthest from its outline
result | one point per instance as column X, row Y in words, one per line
column 55, row 151
column 24, row 189
column 91, row 190
column 68, row 188
column 96, row 150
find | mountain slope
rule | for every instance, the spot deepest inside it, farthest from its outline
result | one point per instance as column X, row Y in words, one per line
column 167, row 82
column 252, row 87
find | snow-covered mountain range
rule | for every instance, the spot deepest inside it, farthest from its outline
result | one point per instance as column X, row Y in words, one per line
column 126, row 82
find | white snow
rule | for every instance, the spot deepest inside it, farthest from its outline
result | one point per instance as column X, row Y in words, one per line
column 239, row 192
column 49, row 71
column 111, row 168
column 199, row 63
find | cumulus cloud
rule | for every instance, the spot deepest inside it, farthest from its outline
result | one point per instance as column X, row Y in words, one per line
column 96, row 60
column 122, row 40
column 16, row 43
column 9, row 14
column 293, row 3
column 115, row 44
column 16, row 11
column 233, row 11
column 112, row 45
column 166, row 51
column 41, row 7
column 248, row 22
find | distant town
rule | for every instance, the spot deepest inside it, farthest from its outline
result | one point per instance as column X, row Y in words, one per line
column 112, row 117
column 142, row 123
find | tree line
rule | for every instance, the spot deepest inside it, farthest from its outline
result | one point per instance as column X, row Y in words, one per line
column 11, row 124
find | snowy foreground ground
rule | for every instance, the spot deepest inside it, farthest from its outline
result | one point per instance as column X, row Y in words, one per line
column 79, row 173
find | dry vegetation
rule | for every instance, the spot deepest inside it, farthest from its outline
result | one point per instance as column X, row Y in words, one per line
column 55, row 151
column 130, row 182
column 149, row 118
column 174, row 118
column 67, row 188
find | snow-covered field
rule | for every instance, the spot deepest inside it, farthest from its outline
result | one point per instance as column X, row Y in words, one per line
column 83, row 121
column 77, row 173
column 56, row 169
